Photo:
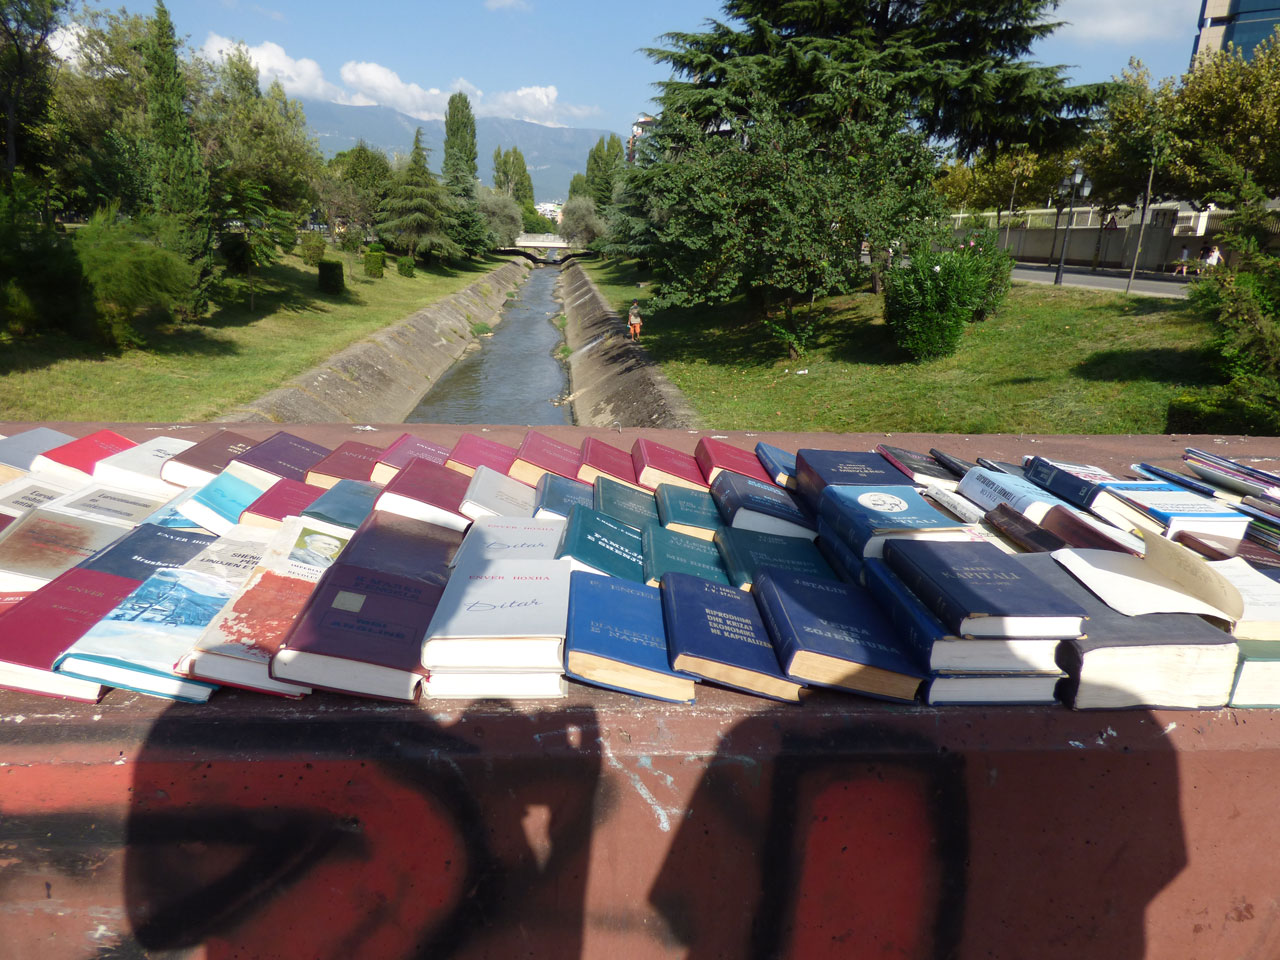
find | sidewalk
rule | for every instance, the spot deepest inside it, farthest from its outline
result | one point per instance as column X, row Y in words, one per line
column 1147, row 282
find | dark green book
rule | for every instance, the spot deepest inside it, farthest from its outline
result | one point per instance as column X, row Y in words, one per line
column 622, row 502
column 666, row 551
column 691, row 512
column 346, row 503
column 600, row 544
column 746, row 551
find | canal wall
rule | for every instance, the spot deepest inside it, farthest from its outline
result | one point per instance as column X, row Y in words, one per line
column 612, row 380
column 382, row 377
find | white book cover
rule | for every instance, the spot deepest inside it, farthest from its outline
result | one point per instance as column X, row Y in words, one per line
column 138, row 468
column 494, row 494
column 988, row 489
column 505, row 599
column 98, row 501
column 137, row 644
column 960, row 507
column 24, row 494
column 509, row 538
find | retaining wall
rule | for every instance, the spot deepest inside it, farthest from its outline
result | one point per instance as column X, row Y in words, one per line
column 613, row 381
column 382, row 378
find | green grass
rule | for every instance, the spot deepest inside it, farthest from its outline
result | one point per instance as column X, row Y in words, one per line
column 191, row 372
column 1053, row 360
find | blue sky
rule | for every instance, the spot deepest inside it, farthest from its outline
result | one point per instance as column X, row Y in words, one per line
column 568, row 62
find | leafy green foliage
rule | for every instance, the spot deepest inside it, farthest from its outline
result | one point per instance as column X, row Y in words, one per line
column 42, row 287
column 26, row 72
column 604, row 164
column 313, row 247
column 404, row 266
column 374, row 261
column 579, row 223
column 502, row 217
column 578, row 186
column 994, row 266
column 352, row 186
column 458, row 169
column 415, row 216
column 330, row 277
column 928, row 301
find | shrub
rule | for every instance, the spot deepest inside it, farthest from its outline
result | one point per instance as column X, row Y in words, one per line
column 313, row 246
column 288, row 239
column 376, row 247
column 480, row 329
column 331, row 277
column 1248, row 405
column 349, row 241
column 404, row 266
column 373, row 263
column 236, row 253
column 995, row 266
column 928, row 302
column 1244, row 305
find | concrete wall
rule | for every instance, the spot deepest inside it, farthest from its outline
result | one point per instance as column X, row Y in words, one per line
column 612, row 380
column 382, row 377
column 1159, row 248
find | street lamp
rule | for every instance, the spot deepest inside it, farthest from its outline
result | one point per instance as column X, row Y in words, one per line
column 1070, row 184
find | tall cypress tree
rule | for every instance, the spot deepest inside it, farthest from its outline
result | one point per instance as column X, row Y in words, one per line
column 459, row 166
column 179, row 181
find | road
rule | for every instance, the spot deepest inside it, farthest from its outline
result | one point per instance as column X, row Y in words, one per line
column 1146, row 284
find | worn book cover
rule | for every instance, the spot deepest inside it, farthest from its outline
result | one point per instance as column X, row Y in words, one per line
column 625, row 503
column 714, row 456
column 748, row 504
column 281, row 455
column 138, row 468
column 691, row 512
column 599, row 544
column 199, row 464
column 600, row 458
column 41, row 545
column 778, row 464
column 346, row 504
column 288, row 498
column 666, row 551
column 97, row 501
column 715, row 632
column 217, row 505
column 616, row 639
column 989, row 488
column 427, row 491
column 404, row 448
column 503, row 538
column 24, row 494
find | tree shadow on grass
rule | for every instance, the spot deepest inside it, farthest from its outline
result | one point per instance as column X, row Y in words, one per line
column 282, row 287
column 1192, row 366
column 1175, row 309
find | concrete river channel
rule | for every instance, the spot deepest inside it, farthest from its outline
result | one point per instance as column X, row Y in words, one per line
column 515, row 376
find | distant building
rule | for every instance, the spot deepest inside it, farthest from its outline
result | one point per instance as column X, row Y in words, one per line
column 638, row 130
column 1244, row 23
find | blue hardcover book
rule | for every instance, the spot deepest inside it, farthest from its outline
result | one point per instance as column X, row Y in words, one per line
column 818, row 469
column 864, row 516
column 715, row 632
column 1152, row 472
column 1076, row 483
column 555, row 496
column 347, row 503
column 979, row 591
column 218, row 504
column 843, row 559
column 616, row 639
column 778, row 464
column 748, row 504
column 943, row 651
column 833, row 634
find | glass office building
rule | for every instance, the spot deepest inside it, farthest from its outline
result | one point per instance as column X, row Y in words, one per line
column 1244, row 23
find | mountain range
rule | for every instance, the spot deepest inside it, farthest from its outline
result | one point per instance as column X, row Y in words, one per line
column 551, row 154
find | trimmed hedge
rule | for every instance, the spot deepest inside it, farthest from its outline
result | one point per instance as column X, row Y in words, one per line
column 373, row 263
column 404, row 266
column 331, row 277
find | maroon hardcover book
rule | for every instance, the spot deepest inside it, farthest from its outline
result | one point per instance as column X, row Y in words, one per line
column 197, row 465
column 402, row 545
column 602, row 459
column 287, row 498
column 281, row 456
column 401, row 450
column 539, row 454
column 427, row 491
column 352, row 460
column 713, row 455
column 473, row 451
column 657, row 463
column 361, row 633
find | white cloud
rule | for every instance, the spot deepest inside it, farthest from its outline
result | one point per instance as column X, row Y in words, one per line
column 300, row 78
column 1129, row 22
column 65, row 42
column 535, row 104
column 507, row 5
column 384, row 86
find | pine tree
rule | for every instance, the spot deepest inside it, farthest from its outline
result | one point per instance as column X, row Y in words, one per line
column 416, row 215
column 179, row 181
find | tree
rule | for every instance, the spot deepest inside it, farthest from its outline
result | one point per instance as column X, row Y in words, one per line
column 961, row 68
column 579, row 223
column 501, row 215
column 179, row 181
column 415, row 214
column 604, row 162
column 353, row 184
column 25, row 69
column 579, row 186
column 459, row 167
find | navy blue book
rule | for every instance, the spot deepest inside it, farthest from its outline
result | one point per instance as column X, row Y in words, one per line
column 945, row 652
column 1152, row 472
column 748, row 504
column 977, row 590
column 864, row 516
column 347, row 503
column 818, row 469
column 778, row 464
column 715, row 632
column 843, row 558
column 555, row 496
column 616, row 639
column 1076, row 483
column 833, row 634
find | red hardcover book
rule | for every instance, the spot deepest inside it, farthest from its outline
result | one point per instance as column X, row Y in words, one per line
column 281, row 456
column 196, row 466
column 352, row 460
column 36, row 631
column 657, row 463
column 602, row 459
column 288, row 498
column 427, row 491
column 473, row 451
column 713, row 455
column 402, row 449
column 75, row 460
column 539, row 454
column 361, row 633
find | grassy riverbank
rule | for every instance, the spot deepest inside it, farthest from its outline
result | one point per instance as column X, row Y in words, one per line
column 186, row 372
column 1054, row 360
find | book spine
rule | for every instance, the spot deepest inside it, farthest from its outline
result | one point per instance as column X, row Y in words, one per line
column 785, row 645
column 1075, row 490
column 852, row 528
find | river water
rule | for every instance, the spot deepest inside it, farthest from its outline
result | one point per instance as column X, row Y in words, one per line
column 514, row 375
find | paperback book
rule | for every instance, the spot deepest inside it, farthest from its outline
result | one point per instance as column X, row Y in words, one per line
column 138, row 468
